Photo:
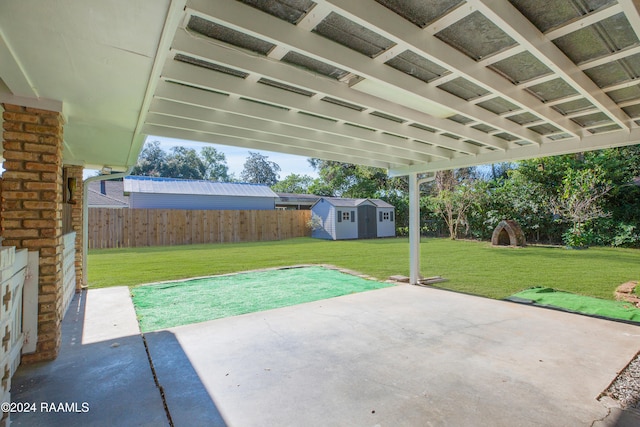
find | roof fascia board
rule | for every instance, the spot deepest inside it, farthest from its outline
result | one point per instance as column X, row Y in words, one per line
column 175, row 14
column 570, row 146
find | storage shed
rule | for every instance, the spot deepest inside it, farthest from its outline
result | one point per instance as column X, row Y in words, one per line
column 172, row 193
column 339, row 218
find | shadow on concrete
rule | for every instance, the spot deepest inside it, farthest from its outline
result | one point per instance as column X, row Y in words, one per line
column 620, row 418
column 109, row 382
column 187, row 399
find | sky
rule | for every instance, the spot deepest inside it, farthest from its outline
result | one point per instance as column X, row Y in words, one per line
column 236, row 156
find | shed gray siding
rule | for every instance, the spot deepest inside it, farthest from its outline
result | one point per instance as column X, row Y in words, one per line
column 346, row 228
column 329, row 209
column 386, row 223
column 199, row 202
column 327, row 215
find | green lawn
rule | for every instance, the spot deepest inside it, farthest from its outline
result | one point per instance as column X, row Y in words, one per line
column 473, row 267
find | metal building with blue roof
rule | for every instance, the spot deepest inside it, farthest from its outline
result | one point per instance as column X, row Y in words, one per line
column 173, row 193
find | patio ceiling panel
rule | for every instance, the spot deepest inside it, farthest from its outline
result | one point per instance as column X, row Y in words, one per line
column 219, row 102
column 332, row 142
column 188, row 75
column 263, row 67
column 401, row 76
column 341, row 57
column 528, row 35
column 430, row 83
column 448, row 57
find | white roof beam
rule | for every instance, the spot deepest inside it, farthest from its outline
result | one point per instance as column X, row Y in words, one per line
column 258, row 135
column 509, row 19
column 630, row 8
column 629, row 103
column 538, row 80
column 200, row 47
column 582, row 113
column 199, row 77
column 622, row 85
column 191, row 135
column 334, row 143
column 583, row 22
column 239, row 16
column 445, row 79
column 203, row 49
column 204, row 99
column 507, row 53
column 314, row 17
column 175, row 16
column 391, row 53
column 460, row 12
column 565, row 99
column 610, row 58
column 229, row 131
column 395, row 28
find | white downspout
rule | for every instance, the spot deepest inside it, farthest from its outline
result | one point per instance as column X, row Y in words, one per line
column 414, row 225
column 85, row 215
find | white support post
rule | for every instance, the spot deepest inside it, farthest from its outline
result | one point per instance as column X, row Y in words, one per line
column 414, row 228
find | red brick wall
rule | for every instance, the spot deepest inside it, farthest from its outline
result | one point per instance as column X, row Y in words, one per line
column 76, row 218
column 31, row 214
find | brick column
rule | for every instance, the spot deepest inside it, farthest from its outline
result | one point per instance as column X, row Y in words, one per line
column 76, row 218
column 32, row 209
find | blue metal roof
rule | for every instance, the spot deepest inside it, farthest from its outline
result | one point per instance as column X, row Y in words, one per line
column 146, row 184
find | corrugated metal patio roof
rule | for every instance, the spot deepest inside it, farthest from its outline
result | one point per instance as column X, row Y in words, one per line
column 411, row 86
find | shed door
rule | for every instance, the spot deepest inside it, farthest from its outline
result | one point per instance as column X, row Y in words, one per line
column 367, row 224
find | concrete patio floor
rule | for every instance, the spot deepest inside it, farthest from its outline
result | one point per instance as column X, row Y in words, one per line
column 400, row 356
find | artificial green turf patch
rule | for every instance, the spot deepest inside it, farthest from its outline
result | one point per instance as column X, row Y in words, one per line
column 166, row 305
column 580, row 304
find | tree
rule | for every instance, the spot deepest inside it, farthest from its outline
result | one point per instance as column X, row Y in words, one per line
column 215, row 163
column 181, row 162
column 151, row 160
column 294, row 183
column 579, row 201
column 320, row 188
column 455, row 194
column 349, row 180
column 259, row 170
column 184, row 163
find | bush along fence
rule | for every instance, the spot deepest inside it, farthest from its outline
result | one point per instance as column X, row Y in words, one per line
column 127, row 228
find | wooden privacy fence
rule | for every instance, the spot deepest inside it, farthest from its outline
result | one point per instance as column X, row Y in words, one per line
column 127, row 228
